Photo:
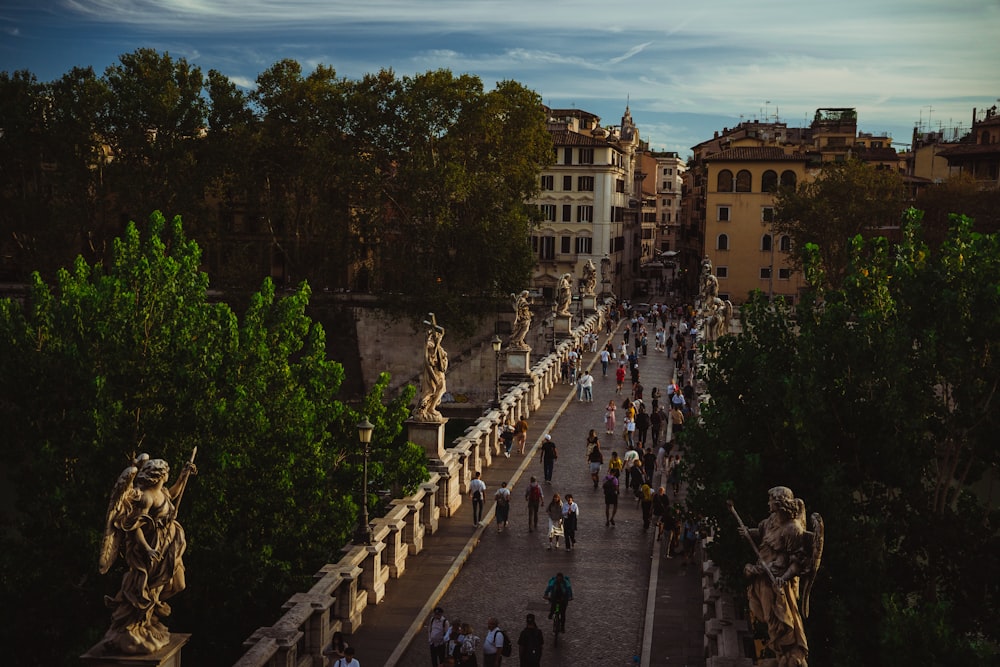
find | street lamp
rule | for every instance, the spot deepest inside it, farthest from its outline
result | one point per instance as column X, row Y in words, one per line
column 364, row 533
column 496, row 343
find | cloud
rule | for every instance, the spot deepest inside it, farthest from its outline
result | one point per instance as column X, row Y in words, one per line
column 631, row 52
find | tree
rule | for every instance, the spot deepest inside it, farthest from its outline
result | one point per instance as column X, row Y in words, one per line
column 845, row 199
column 112, row 362
column 876, row 403
column 959, row 194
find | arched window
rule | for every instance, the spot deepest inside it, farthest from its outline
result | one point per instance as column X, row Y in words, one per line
column 785, row 243
column 769, row 181
column 723, row 242
column 788, row 178
column 765, row 242
column 743, row 181
column 725, row 183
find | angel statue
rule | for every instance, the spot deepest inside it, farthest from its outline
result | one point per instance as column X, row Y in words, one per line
column 564, row 294
column 142, row 526
column 788, row 557
column 522, row 321
column 589, row 278
column 432, row 383
column 716, row 313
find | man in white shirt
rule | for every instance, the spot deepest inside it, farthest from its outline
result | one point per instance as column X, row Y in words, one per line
column 437, row 632
column 348, row 660
column 493, row 644
column 587, row 387
column 605, row 358
column 477, row 492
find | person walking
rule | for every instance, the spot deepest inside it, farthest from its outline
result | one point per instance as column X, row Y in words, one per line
column 641, row 423
column 507, row 438
column 656, row 423
column 348, row 660
column 548, row 457
column 594, row 459
column 620, row 377
column 661, row 510
column 587, row 385
column 493, row 643
column 615, row 465
column 646, row 504
column 437, row 637
column 530, row 643
column 570, row 512
column 610, row 487
column 521, row 434
column 605, row 359
column 470, row 647
column 477, row 492
column 609, row 414
column 534, row 497
column 502, row 497
column 555, row 514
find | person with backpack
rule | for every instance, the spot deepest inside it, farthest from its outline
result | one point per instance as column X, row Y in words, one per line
column 530, row 643
column 495, row 645
column 348, row 660
column 503, row 506
column 477, row 492
column 534, row 496
column 610, row 496
column 437, row 636
column 470, row 647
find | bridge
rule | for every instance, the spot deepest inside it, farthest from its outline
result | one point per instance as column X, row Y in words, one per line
column 632, row 604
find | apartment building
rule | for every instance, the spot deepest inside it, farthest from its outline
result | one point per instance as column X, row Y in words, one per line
column 731, row 187
column 589, row 203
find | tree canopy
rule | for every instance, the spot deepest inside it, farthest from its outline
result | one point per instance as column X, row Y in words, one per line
column 412, row 187
column 112, row 361
column 845, row 199
column 876, row 402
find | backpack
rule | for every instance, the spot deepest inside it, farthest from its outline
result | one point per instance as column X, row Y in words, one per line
column 535, row 494
column 506, row 648
column 609, row 486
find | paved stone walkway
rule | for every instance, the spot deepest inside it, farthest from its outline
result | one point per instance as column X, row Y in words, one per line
column 475, row 572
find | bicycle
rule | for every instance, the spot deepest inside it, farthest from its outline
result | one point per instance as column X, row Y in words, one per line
column 558, row 622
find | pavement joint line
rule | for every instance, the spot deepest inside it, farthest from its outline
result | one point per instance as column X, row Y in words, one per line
column 449, row 578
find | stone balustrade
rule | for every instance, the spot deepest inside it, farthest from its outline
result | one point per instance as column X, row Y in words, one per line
column 343, row 590
column 726, row 635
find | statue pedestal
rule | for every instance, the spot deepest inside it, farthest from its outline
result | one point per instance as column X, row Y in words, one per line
column 168, row 656
column 429, row 435
column 518, row 361
column 589, row 302
column 563, row 326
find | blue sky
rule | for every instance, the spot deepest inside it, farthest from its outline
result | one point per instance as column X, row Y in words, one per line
column 686, row 69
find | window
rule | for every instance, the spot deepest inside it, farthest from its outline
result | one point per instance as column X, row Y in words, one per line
column 567, row 215
column 785, row 243
column 765, row 243
column 564, row 242
column 668, row 172
column 722, row 214
column 784, row 274
column 586, row 156
column 743, row 181
column 788, row 178
column 769, row 181
column 767, row 214
column 548, row 212
column 725, row 181
column 722, row 272
column 584, row 213
column 568, row 156
column 665, row 217
column 567, row 182
column 584, row 245
column 670, row 186
column 548, row 182
column 547, row 248
column 722, row 243
column 585, row 183
column 620, row 185
column 765, row 273
column 617, row 214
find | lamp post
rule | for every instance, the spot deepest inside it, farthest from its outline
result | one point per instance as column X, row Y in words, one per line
column 496, row 343
column 364, row 533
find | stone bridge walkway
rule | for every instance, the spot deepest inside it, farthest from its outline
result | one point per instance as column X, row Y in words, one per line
column 632, row 605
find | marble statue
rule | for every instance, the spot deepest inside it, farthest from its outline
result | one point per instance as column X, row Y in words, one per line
column 432, row 382
column 142, row 527
column 589, row 278
column 788, row 557
column 564, row 294
column 706, row 271
column 605, row 270
column 716, row 314
column 522, row 321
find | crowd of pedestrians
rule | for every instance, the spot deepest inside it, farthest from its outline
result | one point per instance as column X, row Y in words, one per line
column 636, row 461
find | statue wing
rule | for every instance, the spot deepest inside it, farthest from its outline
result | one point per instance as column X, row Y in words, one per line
column 117, row 506
column 809, row 578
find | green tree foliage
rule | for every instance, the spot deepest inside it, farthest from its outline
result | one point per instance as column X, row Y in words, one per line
column 846, row 199
column 109, row 362
column 412, row 187
column 877, row 404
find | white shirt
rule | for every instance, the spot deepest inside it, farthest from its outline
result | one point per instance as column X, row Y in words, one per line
column 571, row 507
column 477, row 485
column 344, row 662
column 494, row 642
column 587, row 381
column 605, row 356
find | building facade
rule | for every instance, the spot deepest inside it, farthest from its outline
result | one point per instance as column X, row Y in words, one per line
column 587, row 202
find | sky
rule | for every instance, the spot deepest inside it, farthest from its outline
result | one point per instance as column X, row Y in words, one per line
column 685, row 69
